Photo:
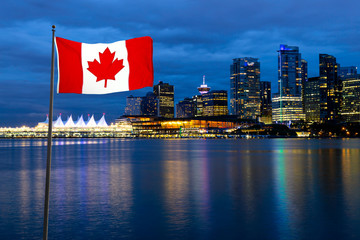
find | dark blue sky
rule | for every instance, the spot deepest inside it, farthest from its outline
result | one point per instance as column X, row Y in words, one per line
column 191, row 38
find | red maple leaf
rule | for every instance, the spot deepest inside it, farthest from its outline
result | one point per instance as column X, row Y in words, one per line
column 107, row 68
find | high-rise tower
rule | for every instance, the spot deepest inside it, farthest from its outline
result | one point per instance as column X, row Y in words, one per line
column 245, row 87
column 203, row 87
column 165, row 95
column 332, row 88
column 287, row 103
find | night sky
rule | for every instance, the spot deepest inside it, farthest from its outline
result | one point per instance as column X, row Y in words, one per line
column 191, row 39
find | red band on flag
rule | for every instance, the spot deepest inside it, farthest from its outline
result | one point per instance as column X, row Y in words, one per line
column 69, row 58
column 140, row 54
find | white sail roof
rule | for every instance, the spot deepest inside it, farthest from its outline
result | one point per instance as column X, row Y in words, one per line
column 91, row 122
column 102, row 122
column 70, row 122
column 58, row 122
column 80, row 122
column 47, row 119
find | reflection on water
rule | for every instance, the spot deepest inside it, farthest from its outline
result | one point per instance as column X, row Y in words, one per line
column 182, row 189
column 176, row 188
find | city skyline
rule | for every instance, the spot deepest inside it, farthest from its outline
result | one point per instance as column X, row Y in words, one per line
column 191, row 39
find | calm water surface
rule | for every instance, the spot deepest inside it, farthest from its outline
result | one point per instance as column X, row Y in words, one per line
column 182, row 189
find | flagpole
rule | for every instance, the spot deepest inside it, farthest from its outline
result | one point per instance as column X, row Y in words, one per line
column 49, row 142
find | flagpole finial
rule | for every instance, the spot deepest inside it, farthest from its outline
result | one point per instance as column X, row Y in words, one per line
column 53, row 26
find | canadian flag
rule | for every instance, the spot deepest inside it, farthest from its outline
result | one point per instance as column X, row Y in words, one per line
column 104, row 68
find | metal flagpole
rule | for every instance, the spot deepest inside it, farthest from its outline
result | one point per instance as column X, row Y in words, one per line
column 49, row 142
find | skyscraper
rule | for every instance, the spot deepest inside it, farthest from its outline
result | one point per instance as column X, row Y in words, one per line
column 351, row 100
column 287, row 103
column 304, row 78
column 149, row 105
column 331, row 87
column 311, row 99
column 245, row 87
column 165, row 94
column 133, row 105
column 142, row 106
column 215, row 103
column 198, row 104
column 186, row 108
column 265, row 97
column 348, row 72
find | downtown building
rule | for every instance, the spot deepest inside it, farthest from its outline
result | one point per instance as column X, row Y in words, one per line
column 142, row 106
column 133, row 106
column 165, row 95
column 350, row 106
column 206, row 104
column 348, row 73
column 215, row 103
column 287, row 104
column 186, row 108
column 198, row 100
column 330, row 106
column 323, row 94
column 312, row 98
column 245, row 88
column 265, row 102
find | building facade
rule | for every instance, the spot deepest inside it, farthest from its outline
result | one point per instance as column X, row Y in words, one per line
column 330, row 87
column 287, row 103
column 215, row 103
column 198, row 105
column 186, row 108
column 350, row 111
column 165, row 94
column 149, row 105
column 245, row 88
column 265, row 102
column 311, row 99
column 304, row 78
column 142, row 106
column 133, row 106
column 348, row 73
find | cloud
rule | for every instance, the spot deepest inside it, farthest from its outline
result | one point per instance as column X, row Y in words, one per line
column 191, row 38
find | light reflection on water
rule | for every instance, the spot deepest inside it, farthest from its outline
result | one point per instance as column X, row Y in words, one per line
column 182, row 189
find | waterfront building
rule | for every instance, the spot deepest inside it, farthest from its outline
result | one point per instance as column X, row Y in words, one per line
column 331, row 88
column 304, row 78
column 188, row 127
column 91, row 122
column 348, row 73
column 350, row 111
column 70, row 124
column 215, row 103
column 186, row 108
column 265, row 102
column 102, row 122
column 133, row 106
column 149, row 105
column 245, row 88
column 58, row 122
column 311, row 99
column 165, row 94
column 80, row 122
column 287, row 103
column 287, row 109
column 198, row 105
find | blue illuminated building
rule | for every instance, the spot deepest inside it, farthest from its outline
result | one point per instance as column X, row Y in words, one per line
column 287, row 103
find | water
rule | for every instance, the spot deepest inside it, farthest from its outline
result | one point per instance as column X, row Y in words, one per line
column 182, row 189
